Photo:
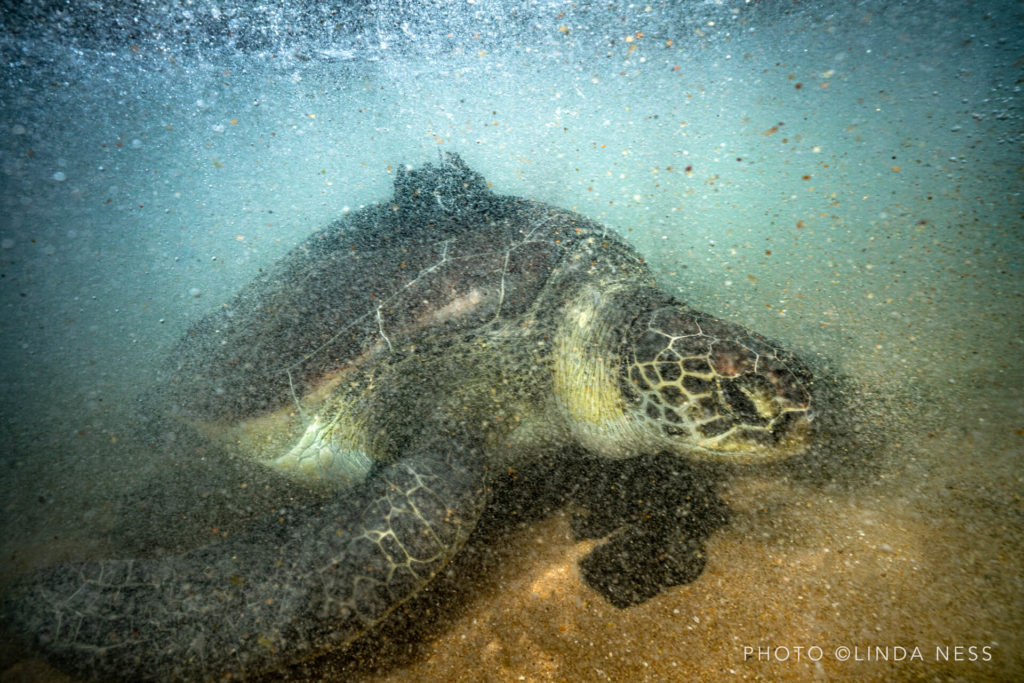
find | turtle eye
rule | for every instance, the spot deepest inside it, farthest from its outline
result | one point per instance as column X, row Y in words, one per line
column 761, row 400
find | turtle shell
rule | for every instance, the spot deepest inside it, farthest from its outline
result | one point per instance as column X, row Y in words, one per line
column 444, row 254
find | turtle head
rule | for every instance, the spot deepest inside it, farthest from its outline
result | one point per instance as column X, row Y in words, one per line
column 714, row 390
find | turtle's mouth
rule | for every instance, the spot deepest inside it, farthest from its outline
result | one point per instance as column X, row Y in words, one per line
column 788, row 435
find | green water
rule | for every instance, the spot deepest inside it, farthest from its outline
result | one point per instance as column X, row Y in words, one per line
column 844, row 179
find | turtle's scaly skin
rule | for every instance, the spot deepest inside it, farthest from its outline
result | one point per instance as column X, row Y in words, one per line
column 401, row 359
column 309, row 584
column 716, row 384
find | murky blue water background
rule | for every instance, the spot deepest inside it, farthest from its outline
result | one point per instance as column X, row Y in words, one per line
column 845, row 177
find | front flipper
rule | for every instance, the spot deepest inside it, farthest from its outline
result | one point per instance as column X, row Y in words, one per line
column 640, row 561
column 657, row 514
column 309, row 581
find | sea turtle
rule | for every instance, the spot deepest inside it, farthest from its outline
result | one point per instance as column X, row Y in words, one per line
column 400, row 360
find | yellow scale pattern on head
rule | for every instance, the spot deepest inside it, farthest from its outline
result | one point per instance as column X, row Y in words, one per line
column 681, row 403
column 712, row 392
column 697, row 408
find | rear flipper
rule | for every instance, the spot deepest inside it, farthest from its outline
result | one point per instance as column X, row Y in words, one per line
column 311, row 580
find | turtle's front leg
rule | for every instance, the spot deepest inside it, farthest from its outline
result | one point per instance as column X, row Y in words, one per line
column 657, row 513
column 308, row 580
column 637, row 563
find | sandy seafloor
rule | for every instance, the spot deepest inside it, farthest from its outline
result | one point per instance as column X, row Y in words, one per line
column 843, row 177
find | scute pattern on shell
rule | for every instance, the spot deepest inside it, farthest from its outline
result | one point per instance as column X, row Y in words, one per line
column 444, row 254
